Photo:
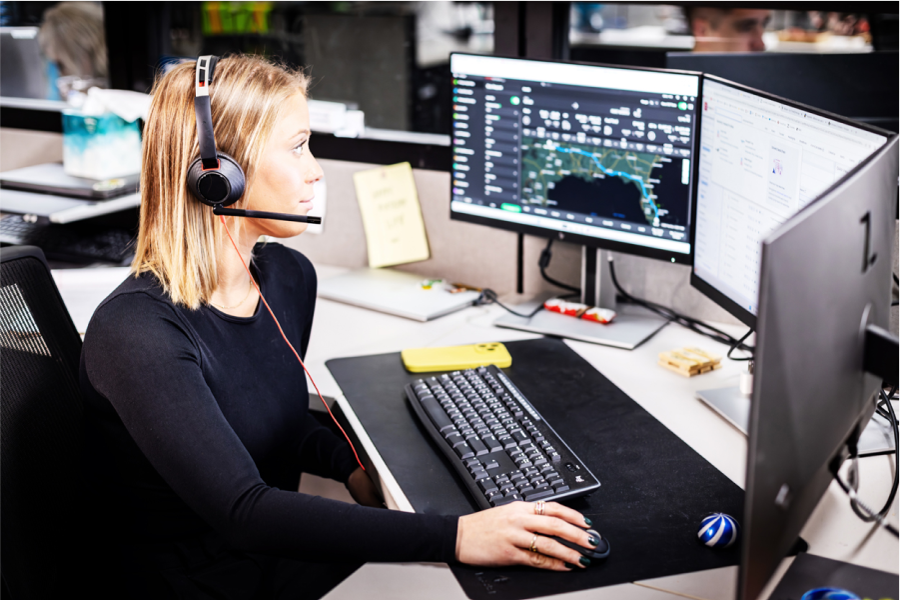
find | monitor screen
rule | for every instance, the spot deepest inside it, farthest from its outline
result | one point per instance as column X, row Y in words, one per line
column 761, row 160
column 603, row 155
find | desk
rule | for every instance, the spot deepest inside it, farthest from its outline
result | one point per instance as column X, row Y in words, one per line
column 832, row 531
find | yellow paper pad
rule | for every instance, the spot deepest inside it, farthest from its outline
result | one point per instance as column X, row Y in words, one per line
column 392, row 217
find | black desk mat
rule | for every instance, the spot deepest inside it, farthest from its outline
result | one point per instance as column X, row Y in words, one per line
column 808, row 572
column 654, row 490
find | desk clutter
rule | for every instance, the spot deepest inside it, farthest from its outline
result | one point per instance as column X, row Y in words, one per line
column 689, row 361
column 655, row 488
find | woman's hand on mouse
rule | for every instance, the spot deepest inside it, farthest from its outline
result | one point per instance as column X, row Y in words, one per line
column 505, row 536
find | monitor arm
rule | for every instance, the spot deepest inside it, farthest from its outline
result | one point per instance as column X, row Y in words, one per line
column 880, row 355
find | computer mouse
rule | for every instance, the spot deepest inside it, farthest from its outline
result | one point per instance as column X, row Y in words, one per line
column 598, row 552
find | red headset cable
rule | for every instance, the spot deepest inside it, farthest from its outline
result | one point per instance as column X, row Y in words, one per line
column 291, row 346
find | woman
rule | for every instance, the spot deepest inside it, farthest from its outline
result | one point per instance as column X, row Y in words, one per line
column 202, row 409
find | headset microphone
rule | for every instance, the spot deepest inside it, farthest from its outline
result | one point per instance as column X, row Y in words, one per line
column 215, row 178
column 261, row 214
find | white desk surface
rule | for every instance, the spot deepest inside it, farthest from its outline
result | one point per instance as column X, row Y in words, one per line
column 340, row 330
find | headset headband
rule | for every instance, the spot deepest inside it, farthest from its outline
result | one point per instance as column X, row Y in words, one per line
column 206, row 66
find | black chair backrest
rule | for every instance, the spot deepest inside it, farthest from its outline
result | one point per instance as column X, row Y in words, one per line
column 40, row 431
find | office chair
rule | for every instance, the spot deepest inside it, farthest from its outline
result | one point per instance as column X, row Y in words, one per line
column 41, row 490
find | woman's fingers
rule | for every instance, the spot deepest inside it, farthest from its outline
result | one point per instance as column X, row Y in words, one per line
column 548, row 547
column 541, row 561
column 554, row 509
column 558, row 527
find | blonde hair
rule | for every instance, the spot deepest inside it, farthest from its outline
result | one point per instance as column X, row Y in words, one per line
column 72, row 36
column 179, row 237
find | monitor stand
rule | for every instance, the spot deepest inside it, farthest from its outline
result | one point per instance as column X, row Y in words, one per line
column 631, row 327
column 734, row 407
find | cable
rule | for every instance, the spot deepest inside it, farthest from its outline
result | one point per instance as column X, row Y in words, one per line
column 738, row 343
column 694, row 325
column 862, row 510
column 490, row 296
column 291, row 346
column 896, row 279
column 544, row 262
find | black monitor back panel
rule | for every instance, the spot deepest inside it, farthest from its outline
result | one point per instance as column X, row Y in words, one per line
column 863, row 86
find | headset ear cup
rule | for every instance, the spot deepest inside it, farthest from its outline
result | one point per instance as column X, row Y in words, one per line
column 220, row 187
column 235, row 176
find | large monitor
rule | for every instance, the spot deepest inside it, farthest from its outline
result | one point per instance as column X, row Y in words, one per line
column 596, row 155
column 600, row 154
column 761, row 159
column 825, row 284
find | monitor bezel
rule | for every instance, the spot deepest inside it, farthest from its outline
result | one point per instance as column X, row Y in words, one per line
column 708, row 289
column 574, row 238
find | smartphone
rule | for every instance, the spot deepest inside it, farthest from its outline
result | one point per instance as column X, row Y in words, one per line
column 454, row 358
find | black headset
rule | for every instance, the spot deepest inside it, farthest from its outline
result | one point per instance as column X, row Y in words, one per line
column 215, row 178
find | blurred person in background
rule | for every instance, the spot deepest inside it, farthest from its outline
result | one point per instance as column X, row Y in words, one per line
column 727, row 29
column 72, row 38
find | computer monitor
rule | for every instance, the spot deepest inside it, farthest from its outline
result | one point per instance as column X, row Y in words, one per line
column 761, row 159
column 825, row 277
column 862, row 86
column 596, row 155
column 23, row 72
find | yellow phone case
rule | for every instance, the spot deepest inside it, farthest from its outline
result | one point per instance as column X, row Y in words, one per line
column 454, row 358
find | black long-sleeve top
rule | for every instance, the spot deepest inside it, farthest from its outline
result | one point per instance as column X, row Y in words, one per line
column 203, row 422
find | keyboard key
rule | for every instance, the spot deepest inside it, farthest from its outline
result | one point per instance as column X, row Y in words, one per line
column 519, row 436
column 487, row 485
column 479, row 474
column 502, row 500
column 464, row 450
column 478, row 446
column 436, row 413
column 507, row 441
column 560, row 489
column 537, row 493
column 491, row 464
column 492, row 444
column 455, row 440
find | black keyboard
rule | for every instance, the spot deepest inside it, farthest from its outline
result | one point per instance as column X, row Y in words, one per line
column 71, row 243
column 499, row 445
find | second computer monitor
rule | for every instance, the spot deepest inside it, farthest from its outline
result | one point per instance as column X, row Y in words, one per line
column 601, row 155
column 761, row 159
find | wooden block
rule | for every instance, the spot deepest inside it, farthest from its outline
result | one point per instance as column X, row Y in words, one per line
column 689, row 361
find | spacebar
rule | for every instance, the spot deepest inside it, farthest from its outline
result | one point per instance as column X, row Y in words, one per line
column 436, row 413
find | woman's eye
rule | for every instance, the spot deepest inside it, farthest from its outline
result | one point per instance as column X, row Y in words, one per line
column 298, row 149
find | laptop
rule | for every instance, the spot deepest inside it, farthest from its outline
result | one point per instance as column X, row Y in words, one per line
column 51, row 178
column 397, row 293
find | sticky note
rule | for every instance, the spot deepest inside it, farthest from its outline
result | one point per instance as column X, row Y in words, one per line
column 392, row 217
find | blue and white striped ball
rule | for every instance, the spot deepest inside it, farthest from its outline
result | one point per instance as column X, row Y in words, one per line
column 718, row 530
column 829, row 593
